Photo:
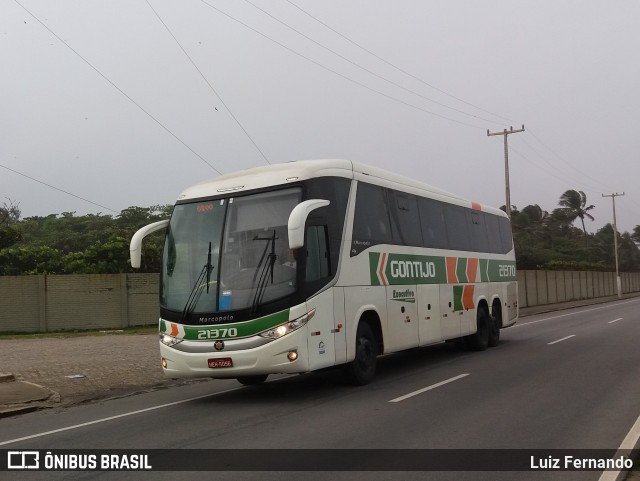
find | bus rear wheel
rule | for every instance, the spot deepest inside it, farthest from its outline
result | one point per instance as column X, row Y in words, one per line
column 479, row 341
column 253, row 380
column 363, row 368
column 494, row 331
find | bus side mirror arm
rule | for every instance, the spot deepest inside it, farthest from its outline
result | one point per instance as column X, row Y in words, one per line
column 135, row 247
column 298, row 218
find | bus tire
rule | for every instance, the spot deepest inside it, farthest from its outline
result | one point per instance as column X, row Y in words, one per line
column 496, row 325
column 363, row 368
column 479, row 341
column 494, row 332
column 254, row 380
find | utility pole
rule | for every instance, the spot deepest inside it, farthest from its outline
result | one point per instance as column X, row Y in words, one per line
column 615, row 241
column 506, row 132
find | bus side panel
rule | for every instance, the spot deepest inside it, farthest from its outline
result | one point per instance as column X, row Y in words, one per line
column 340, row 334
column 429, row 314
column 450, row 320
column 361, row 299
column 510, row 311
column 320, row 341
column 402, row 318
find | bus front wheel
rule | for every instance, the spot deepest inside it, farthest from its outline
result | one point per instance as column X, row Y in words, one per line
column 363, row 368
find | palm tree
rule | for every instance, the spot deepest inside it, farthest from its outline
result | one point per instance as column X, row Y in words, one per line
column 573, row 204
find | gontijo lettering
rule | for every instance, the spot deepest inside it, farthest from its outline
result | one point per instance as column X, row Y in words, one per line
column 412, row 269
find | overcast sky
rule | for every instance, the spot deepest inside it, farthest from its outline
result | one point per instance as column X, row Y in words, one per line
column 129, row 102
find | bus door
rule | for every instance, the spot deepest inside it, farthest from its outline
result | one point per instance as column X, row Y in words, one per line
column 402, row 317
column 429, row 313
column 450, row 319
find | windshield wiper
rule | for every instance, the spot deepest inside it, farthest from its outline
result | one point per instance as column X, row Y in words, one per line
column 267, row 270
column 196, row 291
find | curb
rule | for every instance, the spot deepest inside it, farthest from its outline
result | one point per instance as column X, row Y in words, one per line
column 23, row 397
column 7, row 377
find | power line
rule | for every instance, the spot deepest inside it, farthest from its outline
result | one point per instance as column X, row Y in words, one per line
column 57, row 188
column 399, row 69
column 352, row 62
column 390, row 97
column 207, row 82
column 558, row 156
column 555, row 167
column 166, row 129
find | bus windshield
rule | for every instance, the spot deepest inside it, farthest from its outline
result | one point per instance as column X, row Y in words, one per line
column 228, row 254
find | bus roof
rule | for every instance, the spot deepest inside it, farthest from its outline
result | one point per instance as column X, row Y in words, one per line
column 295, row 171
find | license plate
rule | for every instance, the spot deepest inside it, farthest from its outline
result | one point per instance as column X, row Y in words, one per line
column 220, row 362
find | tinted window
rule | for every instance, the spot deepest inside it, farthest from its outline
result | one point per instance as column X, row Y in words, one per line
column 336, row 191
column 477, row 231
column 405, row 219
column 371, row 224
column 493, row 233
column 434, row 233
column 317, row 253
column 457, row 227
column 505, row 234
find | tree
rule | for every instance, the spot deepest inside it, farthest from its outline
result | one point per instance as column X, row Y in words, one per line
column 69, row 244
column 635, row 236
column 573, row 203
column 9, row 216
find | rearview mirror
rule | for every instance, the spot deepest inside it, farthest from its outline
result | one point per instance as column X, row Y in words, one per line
column 298, row 218
column 135, row 247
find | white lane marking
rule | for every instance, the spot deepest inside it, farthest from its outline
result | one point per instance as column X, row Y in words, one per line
column 111, row 418
column 560, row 340
column 629, row 442
column 607, row 306
column 615, row 320
column 428, row 388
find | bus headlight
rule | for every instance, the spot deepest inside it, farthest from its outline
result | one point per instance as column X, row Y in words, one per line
column 168, row 340
column 290, row 326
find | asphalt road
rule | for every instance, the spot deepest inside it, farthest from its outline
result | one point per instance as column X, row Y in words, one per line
column 564, row 380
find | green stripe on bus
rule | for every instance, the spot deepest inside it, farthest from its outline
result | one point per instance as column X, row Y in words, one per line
column 237, row 330
column 461, row 270
column 457, row 298
column 374, row 259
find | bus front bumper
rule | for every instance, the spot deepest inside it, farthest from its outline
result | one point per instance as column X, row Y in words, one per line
column 287, row 354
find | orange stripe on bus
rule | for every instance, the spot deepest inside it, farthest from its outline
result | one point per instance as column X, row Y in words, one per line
column 452, row 277
column 476, row 206
column 472, row 269
column 174, row 329
column 467, row 297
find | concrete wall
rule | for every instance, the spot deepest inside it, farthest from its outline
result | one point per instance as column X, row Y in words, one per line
column 548, row 287
column 54, row 303
column 93, row 301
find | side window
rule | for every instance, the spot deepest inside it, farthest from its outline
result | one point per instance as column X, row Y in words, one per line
column 493, row 233
column 318, row 261
column 477, row 231
column 405, row 219
column 457, row 227
column 371, row 223
column 505, row 234
column 434, row 233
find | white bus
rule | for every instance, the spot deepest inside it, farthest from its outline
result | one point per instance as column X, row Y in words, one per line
column 300, row 266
